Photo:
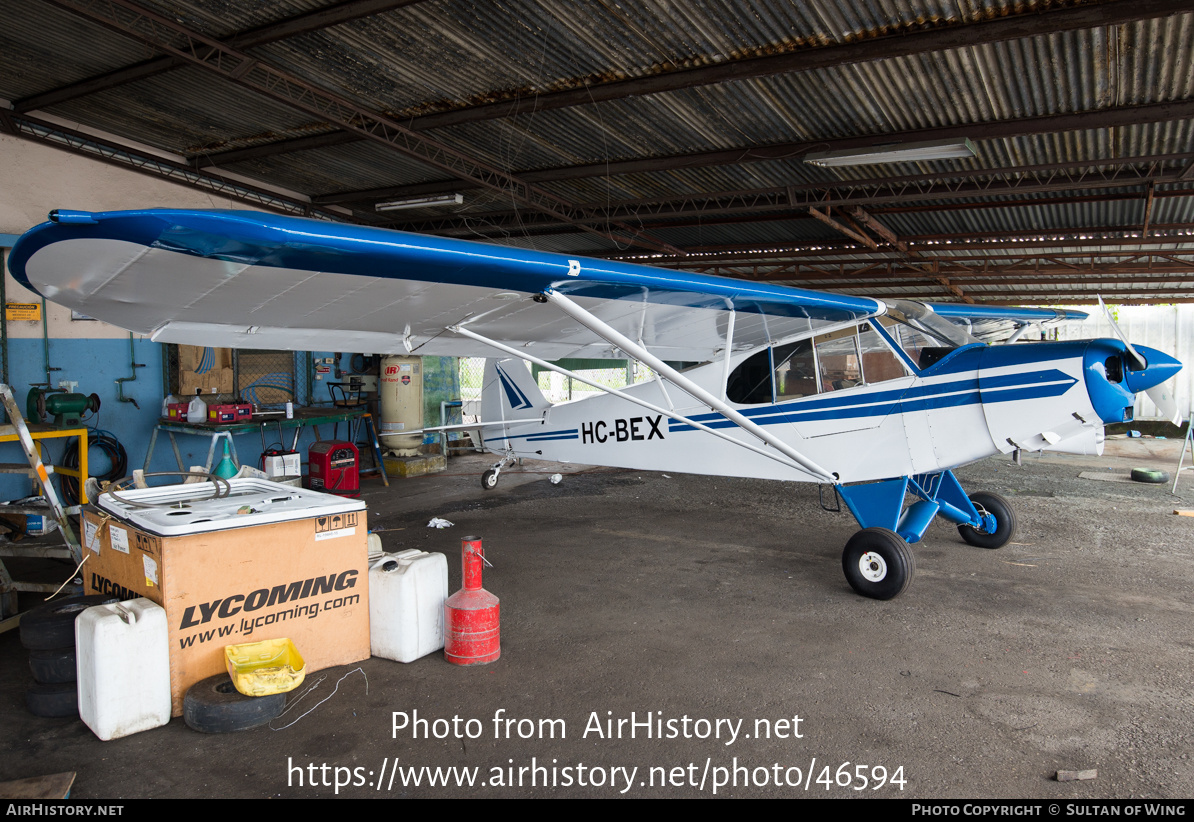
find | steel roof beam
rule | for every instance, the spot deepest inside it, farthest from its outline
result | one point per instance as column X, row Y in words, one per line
column 316, row 141
column 700, row 257
column 967, row 274
column 856, row 236
column 1120, row 117
column 272, row 32
column 770, row 205
column 861, row 50
column 1081, row 261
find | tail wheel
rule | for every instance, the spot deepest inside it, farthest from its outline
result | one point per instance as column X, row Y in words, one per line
column 878, row 563
column 1005, row 522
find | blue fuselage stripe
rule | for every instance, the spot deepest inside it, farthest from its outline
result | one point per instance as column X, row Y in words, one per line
column 1002, row 388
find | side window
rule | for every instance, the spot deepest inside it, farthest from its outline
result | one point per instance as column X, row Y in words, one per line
column 879, row 363
column 843, row 359
column 795, row 371
column 838, row 359
column 750, row 382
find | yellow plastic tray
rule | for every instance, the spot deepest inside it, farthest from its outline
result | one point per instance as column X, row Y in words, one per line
column 271, row 666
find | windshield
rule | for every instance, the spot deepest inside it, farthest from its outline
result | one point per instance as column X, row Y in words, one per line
column 923, row 319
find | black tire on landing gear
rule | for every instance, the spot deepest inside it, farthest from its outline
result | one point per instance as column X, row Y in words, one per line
column 1005, row 522
column 489, row 479
column 878, row 563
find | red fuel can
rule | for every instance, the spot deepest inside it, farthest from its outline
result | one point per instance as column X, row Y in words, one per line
column 472, row 634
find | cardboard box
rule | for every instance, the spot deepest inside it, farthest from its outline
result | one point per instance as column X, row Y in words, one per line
column 208, row 369
column 305, row 579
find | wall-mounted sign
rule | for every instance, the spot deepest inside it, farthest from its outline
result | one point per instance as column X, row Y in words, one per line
column 22, row 311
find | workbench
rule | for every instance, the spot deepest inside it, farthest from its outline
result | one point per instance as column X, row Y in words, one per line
column 49, row 432
column 303, row 417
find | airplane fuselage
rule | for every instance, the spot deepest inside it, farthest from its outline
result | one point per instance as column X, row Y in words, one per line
column 976, row 402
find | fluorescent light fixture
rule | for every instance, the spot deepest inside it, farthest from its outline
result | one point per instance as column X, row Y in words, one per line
column 419, row 202
column 893, row 153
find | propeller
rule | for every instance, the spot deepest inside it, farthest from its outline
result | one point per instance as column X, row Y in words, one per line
column 1161, row 393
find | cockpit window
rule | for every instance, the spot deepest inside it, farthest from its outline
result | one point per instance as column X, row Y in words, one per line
column 750, row 382
column 924, row 336
column 879, row 362
column 795, row 370
column 852, row 356
column 837, row 355
column 922, row 319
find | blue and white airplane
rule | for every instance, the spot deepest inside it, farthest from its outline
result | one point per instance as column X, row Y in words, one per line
column 879, row 398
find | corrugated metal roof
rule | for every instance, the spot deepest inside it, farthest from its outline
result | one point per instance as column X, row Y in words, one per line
column 418, row 58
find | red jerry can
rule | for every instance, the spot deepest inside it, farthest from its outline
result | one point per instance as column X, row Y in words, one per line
column 471, row 618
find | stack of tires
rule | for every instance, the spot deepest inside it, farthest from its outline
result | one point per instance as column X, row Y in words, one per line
column 48, row 633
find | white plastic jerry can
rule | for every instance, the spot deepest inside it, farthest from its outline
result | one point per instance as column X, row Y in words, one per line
column 122, row 653
column 406, row 604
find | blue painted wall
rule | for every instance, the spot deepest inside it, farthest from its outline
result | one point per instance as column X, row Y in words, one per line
column 97, row 363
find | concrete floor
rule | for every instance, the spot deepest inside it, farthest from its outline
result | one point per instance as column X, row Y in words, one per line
column 718, row 607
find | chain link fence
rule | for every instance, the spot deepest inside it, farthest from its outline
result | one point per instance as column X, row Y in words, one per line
column 556, row 387
column 263, row 377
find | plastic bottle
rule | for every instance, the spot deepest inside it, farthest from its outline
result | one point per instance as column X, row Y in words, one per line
column 227, row 468
column 197, row 410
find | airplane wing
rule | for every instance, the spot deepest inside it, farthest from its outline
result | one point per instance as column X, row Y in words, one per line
column 246, row 279
column 992, row 323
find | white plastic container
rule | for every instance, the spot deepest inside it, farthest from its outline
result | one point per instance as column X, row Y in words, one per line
column 122, row 655
column 406, row 604
column 197, row 409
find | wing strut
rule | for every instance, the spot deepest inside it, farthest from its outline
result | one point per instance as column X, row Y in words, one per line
column 615, row 338
column 522, row 354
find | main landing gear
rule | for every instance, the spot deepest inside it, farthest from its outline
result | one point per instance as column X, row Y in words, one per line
column 878, row 561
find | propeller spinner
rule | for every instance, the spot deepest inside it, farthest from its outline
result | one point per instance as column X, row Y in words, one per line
column 1149, row 371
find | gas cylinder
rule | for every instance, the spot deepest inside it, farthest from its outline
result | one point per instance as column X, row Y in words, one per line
column 401, row 405
column 472, row 633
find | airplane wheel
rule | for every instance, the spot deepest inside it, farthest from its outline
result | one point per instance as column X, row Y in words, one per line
column 489, row 479
column 878, row 563
column 1005, row 522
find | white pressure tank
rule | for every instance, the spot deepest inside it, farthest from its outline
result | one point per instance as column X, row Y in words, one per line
column 123, row 665
column 401, row 405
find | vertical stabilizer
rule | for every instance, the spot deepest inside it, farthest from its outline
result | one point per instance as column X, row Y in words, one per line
column 509, row 393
